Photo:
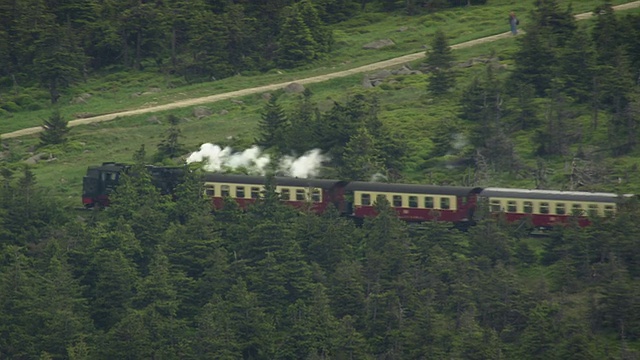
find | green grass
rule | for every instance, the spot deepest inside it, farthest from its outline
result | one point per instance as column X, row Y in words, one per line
column 120, row 91
column 406, row 106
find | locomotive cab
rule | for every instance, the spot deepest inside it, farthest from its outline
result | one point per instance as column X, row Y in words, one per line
column 99, row 182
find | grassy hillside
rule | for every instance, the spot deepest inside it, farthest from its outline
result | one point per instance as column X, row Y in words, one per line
column 405, row 104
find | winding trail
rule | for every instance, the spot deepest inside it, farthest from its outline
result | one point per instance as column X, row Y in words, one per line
column 316, row 79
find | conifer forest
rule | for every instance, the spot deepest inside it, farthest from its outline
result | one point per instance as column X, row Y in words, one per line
column 164, row 276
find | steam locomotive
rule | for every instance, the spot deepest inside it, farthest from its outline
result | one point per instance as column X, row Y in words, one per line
column 412, row 202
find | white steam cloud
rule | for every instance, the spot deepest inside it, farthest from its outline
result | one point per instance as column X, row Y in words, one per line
column 217, row 159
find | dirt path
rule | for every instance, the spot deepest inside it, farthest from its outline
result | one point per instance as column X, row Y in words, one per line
column 260, row 89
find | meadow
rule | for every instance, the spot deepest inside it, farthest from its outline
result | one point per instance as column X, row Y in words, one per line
column 405, row 104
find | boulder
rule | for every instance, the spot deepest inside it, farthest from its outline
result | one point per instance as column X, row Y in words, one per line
column 378, row 44
column 201, row 111
column 36, row 158
column 294, row 87
column 154, row 120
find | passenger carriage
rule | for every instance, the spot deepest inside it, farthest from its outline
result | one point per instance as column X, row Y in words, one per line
column 245, row 190
column 546, row 208
column 415, row 202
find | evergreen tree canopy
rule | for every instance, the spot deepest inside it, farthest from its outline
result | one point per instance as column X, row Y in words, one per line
column 55, row 130
column 440, row 60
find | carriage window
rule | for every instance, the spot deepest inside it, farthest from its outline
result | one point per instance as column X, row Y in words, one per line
column 495, row 206
column 593, row 210
column 445, row 203
column 210, row 190
column 397, row 200
column 560, row 210
column 315, row 195
column 285, row 194
column 380, row 197
column 240, row 192
column 413, row 201
column 528, row 207
column 512, row 207
column 576, row 209
column 428, row 202
column 544, row 208
column 224, row 190
column 300, row 195
column 608, row 210
column 255, row 192
column 365, row 199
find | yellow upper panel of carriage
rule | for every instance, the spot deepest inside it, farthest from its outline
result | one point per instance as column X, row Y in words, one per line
column 417, row 201
column 551, row 207
column 242, row 191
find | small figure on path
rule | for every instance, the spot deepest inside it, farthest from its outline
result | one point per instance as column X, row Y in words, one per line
column 513, row 21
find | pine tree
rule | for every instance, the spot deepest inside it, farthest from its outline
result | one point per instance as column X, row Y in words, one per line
column 18, row 291
column 361, row 159
column 311, row 329
column 208, row 47
column 179, row 17
column 55, row 130
column 170, row 147
column 274, row 126
column 60, row 307
column 554, row 138
column 296, row 45
column 113, row 286
column 321, row 35
column 242, row 47
column 140, row 28
column 614, row 77
column 216, row 336
column 535, row 61
column 440, row 60
column 558, row 25
column 158, row 298
column 130, row 338
column 577, row 66
column 304, row 121
column 527, row 116
column 58, row 60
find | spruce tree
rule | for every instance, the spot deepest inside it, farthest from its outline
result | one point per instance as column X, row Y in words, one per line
column 525, row 107
column 440, row 60
column 537, row 56
column 58, row 60
column 296, row 43
column 321, row 35
column 559, row 25
column 303, row 123
column 208, row 49
column 361, row 158
column 535, row 61
column 170, row 147
column 273, row 126
column 55, row 130
column 577, row 66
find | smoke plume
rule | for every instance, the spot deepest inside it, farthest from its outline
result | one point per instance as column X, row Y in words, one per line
column 218, row 159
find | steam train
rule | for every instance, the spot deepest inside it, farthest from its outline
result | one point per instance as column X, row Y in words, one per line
column 415, row 203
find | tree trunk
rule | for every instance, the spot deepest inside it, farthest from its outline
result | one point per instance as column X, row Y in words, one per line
column 138, row 49
column 53, row 91
column 173, row 47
